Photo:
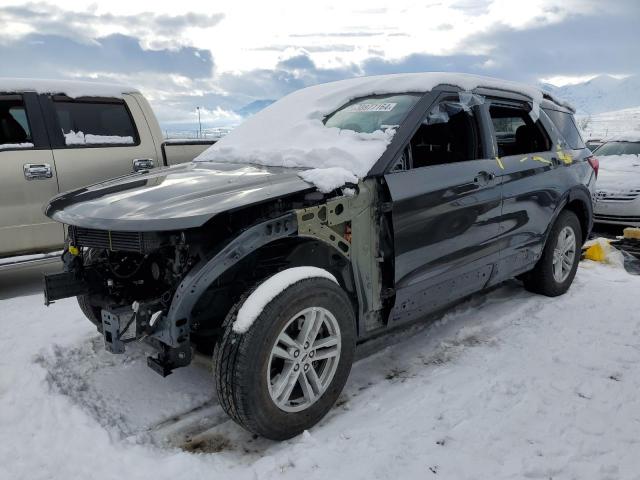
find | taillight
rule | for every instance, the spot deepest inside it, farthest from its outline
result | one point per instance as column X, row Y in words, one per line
column 595, row 164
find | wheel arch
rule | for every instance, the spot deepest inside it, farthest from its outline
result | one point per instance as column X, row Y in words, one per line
column 290, row 251
column 579, row 202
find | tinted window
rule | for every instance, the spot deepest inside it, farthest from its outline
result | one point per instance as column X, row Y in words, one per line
column 516, row 133
column 366, row 115
column 619, row 148
column 567, row 126
column 86, row 123
column 14, row 127
column 448, row 134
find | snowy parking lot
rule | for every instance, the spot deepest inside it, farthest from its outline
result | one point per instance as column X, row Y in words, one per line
column 506, row 385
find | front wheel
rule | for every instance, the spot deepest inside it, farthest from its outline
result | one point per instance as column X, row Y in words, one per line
column 286, row 371
column 556, row 269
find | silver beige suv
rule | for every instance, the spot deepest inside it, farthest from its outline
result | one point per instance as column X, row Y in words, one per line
column 57, row 136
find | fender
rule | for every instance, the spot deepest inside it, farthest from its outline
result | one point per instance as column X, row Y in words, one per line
column 206, row 271
column 578, row 193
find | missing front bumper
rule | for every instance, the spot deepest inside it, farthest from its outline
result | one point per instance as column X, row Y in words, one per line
column 122, row 325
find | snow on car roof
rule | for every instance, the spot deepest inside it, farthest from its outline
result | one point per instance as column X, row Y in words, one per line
column 71, row 88
column 291, row 133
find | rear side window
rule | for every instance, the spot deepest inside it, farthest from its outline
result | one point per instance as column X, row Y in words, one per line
column 565, row 123
column 516, row 133
column 89, row 123
column 14, row 125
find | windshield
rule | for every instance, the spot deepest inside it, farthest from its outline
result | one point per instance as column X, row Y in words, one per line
column 619, row 148
column 369, row 114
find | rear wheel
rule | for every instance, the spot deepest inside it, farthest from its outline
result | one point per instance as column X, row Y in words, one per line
column 286, row 372
column 556, row 269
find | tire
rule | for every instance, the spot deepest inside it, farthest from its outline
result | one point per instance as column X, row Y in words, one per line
column 94, row 314
column 246, row 370
column 542, row 279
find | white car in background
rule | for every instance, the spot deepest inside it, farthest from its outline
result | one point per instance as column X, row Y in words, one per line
column 617, row 199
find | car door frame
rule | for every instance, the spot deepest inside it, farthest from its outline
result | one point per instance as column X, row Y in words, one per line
column 536, row 171
column 409, row 305
column 44, row 235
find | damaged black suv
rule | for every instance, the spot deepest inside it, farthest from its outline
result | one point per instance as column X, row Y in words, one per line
column 279, row 273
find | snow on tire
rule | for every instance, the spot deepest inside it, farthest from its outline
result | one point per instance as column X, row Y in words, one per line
column 284, row 373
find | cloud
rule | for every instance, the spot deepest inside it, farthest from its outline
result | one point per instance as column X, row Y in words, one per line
column 419, row 62
column 156, row 53
column 116, row 53
column 84, row 26
column 599, row 43
column 581, row 44
column 291, row 73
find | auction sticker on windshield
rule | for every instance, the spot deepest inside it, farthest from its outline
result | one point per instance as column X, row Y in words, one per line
column 370, row 107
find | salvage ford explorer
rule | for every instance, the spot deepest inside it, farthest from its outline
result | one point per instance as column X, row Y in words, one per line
column 332, row 216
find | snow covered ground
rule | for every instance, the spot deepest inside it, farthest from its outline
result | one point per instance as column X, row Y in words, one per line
column 609, row 124
column 506, row 385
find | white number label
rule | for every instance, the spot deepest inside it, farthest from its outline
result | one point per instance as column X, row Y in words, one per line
column 371, row 107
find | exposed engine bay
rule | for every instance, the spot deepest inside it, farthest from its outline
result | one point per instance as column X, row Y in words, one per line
column 173, row 289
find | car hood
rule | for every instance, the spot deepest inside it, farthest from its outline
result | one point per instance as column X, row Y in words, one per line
column 174, row 198
column 619, row 173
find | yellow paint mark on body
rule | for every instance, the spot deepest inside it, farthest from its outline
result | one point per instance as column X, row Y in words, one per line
column 566, row 157
column 500, row 164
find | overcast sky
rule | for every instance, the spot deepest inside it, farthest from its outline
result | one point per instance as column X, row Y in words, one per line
column 222, row 56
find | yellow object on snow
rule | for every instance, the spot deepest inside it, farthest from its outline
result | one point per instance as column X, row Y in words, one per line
column 632, row 232
column 601, row 250
column 597, row 252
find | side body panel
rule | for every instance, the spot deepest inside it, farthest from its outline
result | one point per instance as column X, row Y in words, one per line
column 23, row 226
column 446, row 224
column 535, row 187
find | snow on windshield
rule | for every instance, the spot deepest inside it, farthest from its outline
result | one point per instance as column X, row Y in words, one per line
column 369, row 114
column 291, row 132
column 79, row 138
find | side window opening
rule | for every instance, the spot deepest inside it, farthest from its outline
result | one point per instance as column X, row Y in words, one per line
column 516, row 133
column 448, row 134
column 14, row 125
column 86, row 123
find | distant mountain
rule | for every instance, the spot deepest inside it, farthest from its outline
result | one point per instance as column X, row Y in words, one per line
column 253, row 107
column 600, row 94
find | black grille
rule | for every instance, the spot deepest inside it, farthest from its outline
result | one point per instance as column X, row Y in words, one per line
column 116, row 241
column 616, row 218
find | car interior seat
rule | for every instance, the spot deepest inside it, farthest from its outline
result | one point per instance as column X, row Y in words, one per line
column 10, row 130
column 525, row 140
